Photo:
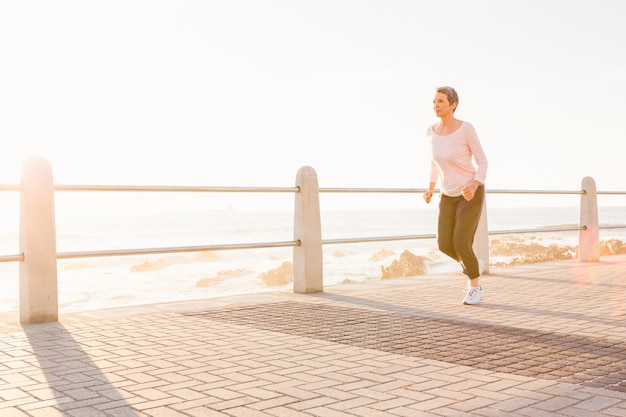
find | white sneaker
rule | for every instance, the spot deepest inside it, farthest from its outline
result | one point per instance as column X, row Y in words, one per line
column 474, row 296
column 468, row 288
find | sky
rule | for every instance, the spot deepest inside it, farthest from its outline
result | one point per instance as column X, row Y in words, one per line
column 245, row 92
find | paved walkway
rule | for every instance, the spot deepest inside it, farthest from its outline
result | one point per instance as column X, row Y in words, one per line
column 549, row 340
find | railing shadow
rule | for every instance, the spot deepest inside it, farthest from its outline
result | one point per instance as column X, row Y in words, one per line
column 75, row 382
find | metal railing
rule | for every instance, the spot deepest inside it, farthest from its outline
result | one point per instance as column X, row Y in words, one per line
column 259, row 245
column 277, row 244
column 38, row 226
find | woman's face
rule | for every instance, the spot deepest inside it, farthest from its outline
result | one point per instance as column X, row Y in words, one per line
column 441, row 105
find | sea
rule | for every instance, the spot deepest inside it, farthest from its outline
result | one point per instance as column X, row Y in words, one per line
column 104, row 282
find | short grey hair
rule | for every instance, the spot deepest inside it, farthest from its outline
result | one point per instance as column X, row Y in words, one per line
column 452, row 95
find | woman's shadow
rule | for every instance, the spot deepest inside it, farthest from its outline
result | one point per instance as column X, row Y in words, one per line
column 75, row 382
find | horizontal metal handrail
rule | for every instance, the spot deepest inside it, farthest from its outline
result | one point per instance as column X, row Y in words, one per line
column 371, row 190
column 432, row 236
column 539, row 230
column 551, row 192
column 153, row 251
column 376, row 239
column 613, row 226
column 421, row 190
column 12, row 258
column 150, row 251
column 176, row 249
column 159, row 188
column 175, row 188
column 10, row 187
column 258, row 245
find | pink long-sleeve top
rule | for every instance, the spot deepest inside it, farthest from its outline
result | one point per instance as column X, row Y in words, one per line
column 457, row 158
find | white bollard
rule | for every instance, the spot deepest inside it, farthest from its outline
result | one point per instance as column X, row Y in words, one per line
column 307, row 258
column 589, row 238
column 38, row 271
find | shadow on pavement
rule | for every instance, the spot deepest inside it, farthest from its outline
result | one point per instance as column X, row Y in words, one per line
column 76, row 385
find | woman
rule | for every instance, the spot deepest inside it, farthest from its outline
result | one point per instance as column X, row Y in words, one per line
column 459, row 161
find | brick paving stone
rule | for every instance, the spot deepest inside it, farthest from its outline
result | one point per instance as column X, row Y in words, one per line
column 320, row 412
column 448, row 393
column 13, row 412
column 205, row 412
column 557, row 403
column 472, row 404
column 286, row 412
column 366, row 411
column 274, row 402
column 536, row 412
column 514, row 404
column 12, row 394
column 164, row 412
column 204, row 402
column 312, row 403
column 433, row 403
column 411, row 393
column 412, row 412
column 389, row 404
column 47, row 412
column 615, row 411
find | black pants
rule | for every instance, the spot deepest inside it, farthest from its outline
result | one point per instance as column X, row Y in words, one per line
column 458, row 220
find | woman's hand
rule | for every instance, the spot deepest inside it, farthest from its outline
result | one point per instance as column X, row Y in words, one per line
column 470, row 190
column 427, row 196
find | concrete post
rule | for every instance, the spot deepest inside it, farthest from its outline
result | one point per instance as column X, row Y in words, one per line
column 307, row 258
column 589, row 239
column 481, row 238
column 38, row 271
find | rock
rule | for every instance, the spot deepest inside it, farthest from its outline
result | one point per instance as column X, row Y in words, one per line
column 406, row 266
column 282, row 275
column 612, row 247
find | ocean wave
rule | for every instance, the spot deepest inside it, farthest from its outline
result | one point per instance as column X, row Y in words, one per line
column 221, row 277
column 169, row 260
column 76, row 265
column 381, row 254
column 206, row 256
column 161, row 263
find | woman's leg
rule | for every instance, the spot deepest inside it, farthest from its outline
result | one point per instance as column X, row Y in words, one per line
column 446, row 225
column 467, row 217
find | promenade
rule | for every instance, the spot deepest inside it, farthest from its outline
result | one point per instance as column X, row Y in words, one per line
column 548, row 340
